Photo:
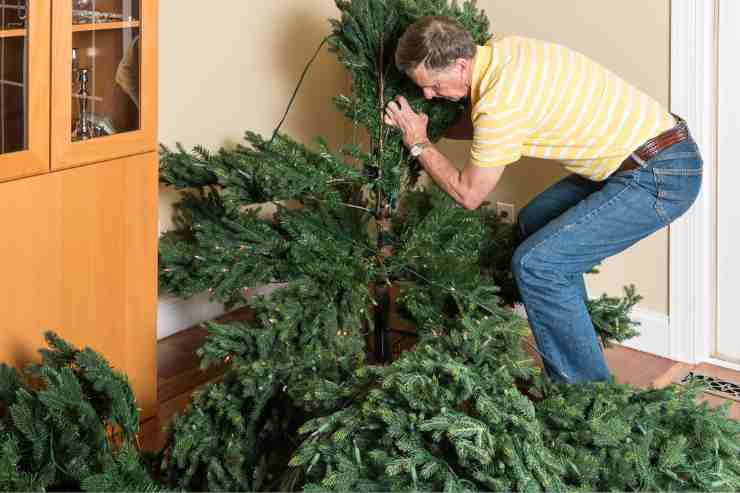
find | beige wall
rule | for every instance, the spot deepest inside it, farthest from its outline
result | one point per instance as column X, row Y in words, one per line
column 229, row 66
column 233, row 67
column 630, row 37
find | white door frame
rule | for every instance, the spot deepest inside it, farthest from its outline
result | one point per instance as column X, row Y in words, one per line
column 692, row 243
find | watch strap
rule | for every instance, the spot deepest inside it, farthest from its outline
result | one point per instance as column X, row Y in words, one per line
column 418, row 148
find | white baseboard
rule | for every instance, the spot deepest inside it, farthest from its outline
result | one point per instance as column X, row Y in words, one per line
column 175, row 315
column 654, row 331
column 722, row 363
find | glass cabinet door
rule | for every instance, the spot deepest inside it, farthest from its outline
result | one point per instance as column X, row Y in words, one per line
column 24, row 101
column 103, row 102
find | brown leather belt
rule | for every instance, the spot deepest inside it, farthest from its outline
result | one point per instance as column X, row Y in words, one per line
column 649, row 149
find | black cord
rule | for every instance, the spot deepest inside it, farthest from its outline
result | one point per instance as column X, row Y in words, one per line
column 300, row 83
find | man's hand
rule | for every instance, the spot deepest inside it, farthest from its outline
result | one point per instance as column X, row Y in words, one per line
column 468, row 187
column 413, row 126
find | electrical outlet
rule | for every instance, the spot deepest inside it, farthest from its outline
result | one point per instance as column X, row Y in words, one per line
column 505, row 212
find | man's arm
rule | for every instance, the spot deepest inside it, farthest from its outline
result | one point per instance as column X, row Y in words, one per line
column 462, row 129
column 468, row 187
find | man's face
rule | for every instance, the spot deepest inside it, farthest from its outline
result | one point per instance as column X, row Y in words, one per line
column 450, row 83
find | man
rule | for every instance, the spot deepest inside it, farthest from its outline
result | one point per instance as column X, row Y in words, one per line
column 635, row 167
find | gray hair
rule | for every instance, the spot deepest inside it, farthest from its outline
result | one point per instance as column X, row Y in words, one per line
column 435, row 41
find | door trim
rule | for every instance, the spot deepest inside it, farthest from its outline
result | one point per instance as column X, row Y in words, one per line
column 692, row 238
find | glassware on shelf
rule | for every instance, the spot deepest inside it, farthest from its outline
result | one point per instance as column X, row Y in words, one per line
column 75, row 71
column 81, row 10
column 89, row 125
column 97, row 17
column 86, row 12
column 82, row 130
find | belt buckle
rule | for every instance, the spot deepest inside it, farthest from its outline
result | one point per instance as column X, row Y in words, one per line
column 637, row 160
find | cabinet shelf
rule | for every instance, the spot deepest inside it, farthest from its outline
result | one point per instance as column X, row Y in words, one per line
column 13, row 33
column 105, row 26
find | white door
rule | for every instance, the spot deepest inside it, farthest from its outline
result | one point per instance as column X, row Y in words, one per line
column 727, row 339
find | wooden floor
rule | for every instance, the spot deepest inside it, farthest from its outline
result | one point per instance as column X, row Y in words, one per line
column 179, row 375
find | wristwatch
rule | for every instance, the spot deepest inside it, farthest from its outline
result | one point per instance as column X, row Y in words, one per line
column 416, row 149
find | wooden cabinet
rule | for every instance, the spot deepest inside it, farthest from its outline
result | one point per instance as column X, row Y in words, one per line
column 79, row 173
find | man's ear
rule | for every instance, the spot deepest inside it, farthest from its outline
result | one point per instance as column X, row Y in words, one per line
column 410, row 73
column 463, row 64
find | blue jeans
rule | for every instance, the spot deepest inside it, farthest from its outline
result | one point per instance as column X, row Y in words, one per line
column 576, row 224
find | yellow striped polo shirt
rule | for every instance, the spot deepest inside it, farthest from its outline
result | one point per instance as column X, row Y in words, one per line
column 539, row 99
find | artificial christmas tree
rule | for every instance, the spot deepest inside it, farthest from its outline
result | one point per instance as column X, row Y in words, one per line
column 302, row 407
column 68, row 424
